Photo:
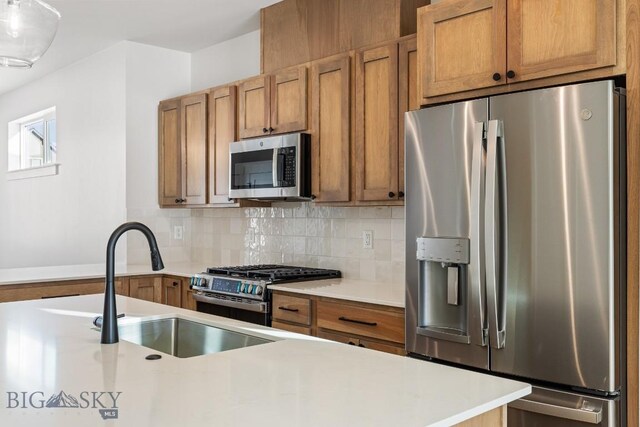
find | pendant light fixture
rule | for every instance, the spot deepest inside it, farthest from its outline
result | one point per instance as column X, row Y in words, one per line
column 27, row 28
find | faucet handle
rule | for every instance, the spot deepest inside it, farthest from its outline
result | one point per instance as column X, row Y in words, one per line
column 98, row 320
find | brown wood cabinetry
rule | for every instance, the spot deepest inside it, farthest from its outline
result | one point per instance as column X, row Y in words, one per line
column 182, row 160
column 360, row 324
column 171, row 291
column 408, row 96
column 222, row 132
column 122, row 286
column 31, row 291
column 331, row 129
column 291, row 309
column 377, row 124
column 298, row 31
column 188, row 301
column 466, row 45
column 273, row 104
column 148, row 288
column 169, row 153
column 359, row 320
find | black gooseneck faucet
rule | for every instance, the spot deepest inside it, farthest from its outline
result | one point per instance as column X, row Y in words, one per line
column 109, row 316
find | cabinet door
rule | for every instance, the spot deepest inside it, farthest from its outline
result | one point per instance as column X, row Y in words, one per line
column 462, row 45
column 171, row 292
column 169, row 154
column 331, row 130
column 122, row 286
column 377, row 124
column 254, row 109
column 291, row 328
column 387, row 348
column 187, row 298
column 194, row 148
column 408, row 97
column 222, row 132
column 146, row 288
column 554, row 37
column 289, row 100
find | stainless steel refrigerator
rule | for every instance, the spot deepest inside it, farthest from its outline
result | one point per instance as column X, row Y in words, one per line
column 515, row 246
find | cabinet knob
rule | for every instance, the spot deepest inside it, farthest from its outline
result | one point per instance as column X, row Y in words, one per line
column 497, row 77
column 271, row 129
column 265, row 130
column 351, row 343
column 511, row 74
column 401, row 194
column 361, row 345
column 313, row 197
column 392, row 194
column 177, row 200
column 175, row 283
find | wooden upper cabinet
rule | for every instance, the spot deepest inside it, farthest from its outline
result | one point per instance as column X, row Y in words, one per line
column 377, row 124
column 331, row 129
column 254, row 107
column 194, row 148
column 462, row 45
column 273, row 104
column 169, row 153
column 289, row 101
column 222, row 132
column 553, row 37
column 408, row 96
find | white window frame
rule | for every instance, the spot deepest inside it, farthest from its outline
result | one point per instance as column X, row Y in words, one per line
column 17, row 130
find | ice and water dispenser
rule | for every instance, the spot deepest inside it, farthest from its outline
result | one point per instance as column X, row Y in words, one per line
column 443, row 288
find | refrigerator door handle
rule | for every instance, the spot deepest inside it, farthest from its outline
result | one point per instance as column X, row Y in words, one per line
column 495, row 233
column 591, row 415
column 476, row 262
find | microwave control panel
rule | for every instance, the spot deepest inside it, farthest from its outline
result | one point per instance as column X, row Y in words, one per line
column 286, row 170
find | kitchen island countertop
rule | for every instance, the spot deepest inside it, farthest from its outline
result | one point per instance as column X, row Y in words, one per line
column 49, row 346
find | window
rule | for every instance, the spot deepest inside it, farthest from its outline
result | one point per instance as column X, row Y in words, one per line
column 33, row 141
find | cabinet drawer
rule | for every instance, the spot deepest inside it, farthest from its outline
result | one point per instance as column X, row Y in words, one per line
column 292, row 309
column 291, row 328
column 369, row 322
column 387, row 348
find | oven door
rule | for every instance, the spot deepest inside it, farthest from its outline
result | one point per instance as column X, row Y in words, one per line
column 256, row 312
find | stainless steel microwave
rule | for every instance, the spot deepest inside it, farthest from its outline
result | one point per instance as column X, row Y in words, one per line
column 271, row 168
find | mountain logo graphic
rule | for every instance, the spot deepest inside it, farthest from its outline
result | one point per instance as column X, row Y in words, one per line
column 62, row 400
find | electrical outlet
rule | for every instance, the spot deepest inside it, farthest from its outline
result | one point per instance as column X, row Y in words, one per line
column 367, row 239
column 178, row 231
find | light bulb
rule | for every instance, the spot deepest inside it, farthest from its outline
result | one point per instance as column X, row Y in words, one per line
column 14, row 18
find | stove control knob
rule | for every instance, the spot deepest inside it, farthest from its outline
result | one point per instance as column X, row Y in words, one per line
column 242, row 287
column 249, row 288
column 257, row 290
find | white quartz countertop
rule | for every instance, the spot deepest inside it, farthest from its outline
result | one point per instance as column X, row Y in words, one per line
column 13, row 276
column 49, row 346
column 390, row 294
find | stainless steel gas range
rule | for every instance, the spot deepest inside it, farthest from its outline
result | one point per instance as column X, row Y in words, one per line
column 242, row 292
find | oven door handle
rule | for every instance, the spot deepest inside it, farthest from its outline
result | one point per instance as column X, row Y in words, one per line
column 259, row 307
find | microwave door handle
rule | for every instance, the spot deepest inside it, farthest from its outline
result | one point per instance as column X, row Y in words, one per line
column 476, row 264
column 495, row 234
column 274, row 169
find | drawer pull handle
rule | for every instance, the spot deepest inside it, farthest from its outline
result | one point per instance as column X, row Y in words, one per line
column 361, row 322
column 294, row 310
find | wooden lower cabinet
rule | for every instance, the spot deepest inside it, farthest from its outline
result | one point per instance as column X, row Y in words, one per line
column 305, row 330
column 188, row 301
column 359, row 324
column 25, row 292
column 171, row 291
column 148, row 288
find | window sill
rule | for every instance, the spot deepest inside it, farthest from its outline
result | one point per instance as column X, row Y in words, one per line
column 47, row 170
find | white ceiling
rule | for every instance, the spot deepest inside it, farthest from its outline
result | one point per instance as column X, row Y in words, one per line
column 88, row 26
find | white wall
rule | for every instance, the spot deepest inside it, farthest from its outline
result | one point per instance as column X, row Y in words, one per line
column 67, row 218
column 107, row 147
column 225, row 62
column 153, row 74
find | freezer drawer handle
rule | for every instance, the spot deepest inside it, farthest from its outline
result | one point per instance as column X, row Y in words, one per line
column 582, row 415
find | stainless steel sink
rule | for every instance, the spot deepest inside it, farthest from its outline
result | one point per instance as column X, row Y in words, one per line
column 184, row 338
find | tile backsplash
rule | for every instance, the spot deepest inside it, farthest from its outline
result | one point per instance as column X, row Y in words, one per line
column 287, row 233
